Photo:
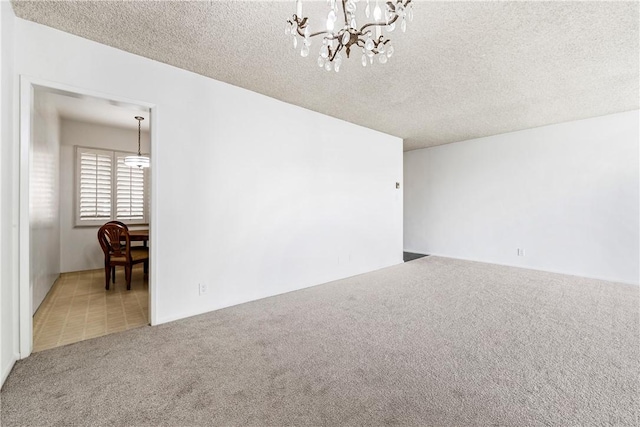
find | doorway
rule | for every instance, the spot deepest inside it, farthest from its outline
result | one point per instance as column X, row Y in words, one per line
column 73, row 180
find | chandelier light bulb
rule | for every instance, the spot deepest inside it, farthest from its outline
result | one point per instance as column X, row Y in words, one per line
column 377, row 12
column 330, row 24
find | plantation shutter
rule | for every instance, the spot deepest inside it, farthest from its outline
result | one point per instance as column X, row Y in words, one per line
column 95, row 185
column 130, row 191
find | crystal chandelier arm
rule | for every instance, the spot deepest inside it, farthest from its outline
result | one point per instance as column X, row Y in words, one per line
column 330, row 36
column 384, row 24
column 405, row 4
column 301, row 34
column 300, row 24
column 335, row 52
column 379, row 24
column 359, row 42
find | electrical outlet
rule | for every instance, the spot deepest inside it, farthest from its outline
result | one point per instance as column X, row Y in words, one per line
column 203, row 288
column 521, row 252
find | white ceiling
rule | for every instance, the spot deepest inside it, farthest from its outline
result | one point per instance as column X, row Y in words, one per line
column 463, row 69
column 96, row 110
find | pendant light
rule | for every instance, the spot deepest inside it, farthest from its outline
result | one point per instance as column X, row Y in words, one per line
column 138, row 161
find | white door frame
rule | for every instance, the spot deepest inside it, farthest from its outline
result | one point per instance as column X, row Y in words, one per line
column 27, row 85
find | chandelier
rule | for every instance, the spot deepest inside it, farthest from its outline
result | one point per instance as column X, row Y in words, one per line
column 138, row 161
column 350, row 37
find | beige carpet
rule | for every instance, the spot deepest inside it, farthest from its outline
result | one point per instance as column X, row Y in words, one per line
column 432, row 342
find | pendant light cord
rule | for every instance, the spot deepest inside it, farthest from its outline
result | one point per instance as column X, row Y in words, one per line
column 139, row 121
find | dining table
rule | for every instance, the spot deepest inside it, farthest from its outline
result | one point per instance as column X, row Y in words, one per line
column 139, row 236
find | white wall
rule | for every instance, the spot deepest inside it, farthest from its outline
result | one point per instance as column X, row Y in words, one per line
column 566, row 193
column 8, row 210
column 253, row 197
column 79, row 246
column 44, row 197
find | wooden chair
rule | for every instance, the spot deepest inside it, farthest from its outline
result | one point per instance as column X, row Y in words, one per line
column 116, row 245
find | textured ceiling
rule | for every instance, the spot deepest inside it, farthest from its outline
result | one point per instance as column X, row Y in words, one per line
column 463, row 69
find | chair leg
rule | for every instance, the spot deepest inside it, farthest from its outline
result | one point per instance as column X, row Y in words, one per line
column 113, row 274
column 127, row 273
column 146, row 269
column 107, row 274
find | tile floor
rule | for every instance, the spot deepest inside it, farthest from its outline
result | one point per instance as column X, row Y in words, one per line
column 78, row 308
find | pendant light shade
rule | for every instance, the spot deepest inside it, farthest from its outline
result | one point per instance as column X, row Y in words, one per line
column 138, row 161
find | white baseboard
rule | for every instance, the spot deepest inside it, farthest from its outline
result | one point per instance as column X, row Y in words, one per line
column 203, row 310
column 7, row 370
column 567, row 273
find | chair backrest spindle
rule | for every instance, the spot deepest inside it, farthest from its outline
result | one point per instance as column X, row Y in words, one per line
column 114, row 240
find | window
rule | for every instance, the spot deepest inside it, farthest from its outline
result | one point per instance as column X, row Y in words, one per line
column 130, row 191
column 107, row 189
